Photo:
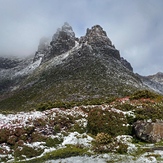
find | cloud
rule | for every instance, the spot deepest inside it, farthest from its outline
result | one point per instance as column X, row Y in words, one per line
column 135, row 27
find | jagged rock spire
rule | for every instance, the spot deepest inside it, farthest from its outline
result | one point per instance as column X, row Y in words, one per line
column 96, row 36
column 66, row 28
column 63, row 40
column 99, row 41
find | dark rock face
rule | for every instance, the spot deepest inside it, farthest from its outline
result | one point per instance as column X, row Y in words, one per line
column 6, row 63
column 126, row 64
column 97, row 38
column 62, row 41
column 149, row 131
column 43, row 48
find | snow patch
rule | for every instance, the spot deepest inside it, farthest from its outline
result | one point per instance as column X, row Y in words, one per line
column 78, row 139
column 29, row 69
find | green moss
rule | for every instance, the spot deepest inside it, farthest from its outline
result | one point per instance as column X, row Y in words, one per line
column 53, row 142
column 27, row 151
column 69, row 104
column 69, row 151
column 122, row 148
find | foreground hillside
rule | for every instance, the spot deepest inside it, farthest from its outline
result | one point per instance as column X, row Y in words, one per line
column 123, row 130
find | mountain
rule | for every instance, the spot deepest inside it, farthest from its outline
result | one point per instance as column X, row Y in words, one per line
column 78, row 97
column 68, row 69
column 156, row 77
column 153, row 82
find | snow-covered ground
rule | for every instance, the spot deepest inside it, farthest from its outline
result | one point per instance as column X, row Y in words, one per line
column 26, row 119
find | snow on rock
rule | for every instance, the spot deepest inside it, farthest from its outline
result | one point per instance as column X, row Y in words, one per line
column 36, row 145
column 77, row 139
column 59, row 59
column 80, row 159
column 29, row 69
column 146, row 158
column 127, row 139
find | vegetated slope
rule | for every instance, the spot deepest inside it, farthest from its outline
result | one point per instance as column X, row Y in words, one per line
column 74, row 69
column 89, row 130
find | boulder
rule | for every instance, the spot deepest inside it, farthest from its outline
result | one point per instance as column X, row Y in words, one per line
column 149, row 131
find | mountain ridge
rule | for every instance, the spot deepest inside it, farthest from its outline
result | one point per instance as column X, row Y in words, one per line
column 70, row 69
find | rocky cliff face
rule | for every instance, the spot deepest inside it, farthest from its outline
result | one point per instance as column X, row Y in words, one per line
column 97, row 38
column 7, row 63
column 43, row 48
column 62, row 41
column 126, row 64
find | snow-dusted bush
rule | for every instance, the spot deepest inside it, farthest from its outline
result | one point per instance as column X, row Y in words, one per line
column 103, row 138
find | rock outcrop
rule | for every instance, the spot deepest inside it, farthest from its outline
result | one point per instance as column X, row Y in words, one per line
column 126, row 64
column 149, row 131
column 7, row 63
column 156, row 78
column 63, row 40
column 43, row 48
column 97, row 38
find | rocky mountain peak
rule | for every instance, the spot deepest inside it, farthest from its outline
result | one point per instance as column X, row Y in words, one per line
column 65, row 30
column 96, row 36
column 99, row 41
column 96, row 30
column 68, row 29
column 62, row 41
column 158, row 77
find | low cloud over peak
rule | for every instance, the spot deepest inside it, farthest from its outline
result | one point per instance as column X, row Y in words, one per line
column 135, row 27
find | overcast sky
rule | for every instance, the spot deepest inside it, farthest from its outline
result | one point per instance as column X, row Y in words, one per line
column 134, row 26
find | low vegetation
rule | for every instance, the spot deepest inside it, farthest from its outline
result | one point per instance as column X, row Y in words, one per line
column 103, row 120
column 106, row 121
column 68, row 151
